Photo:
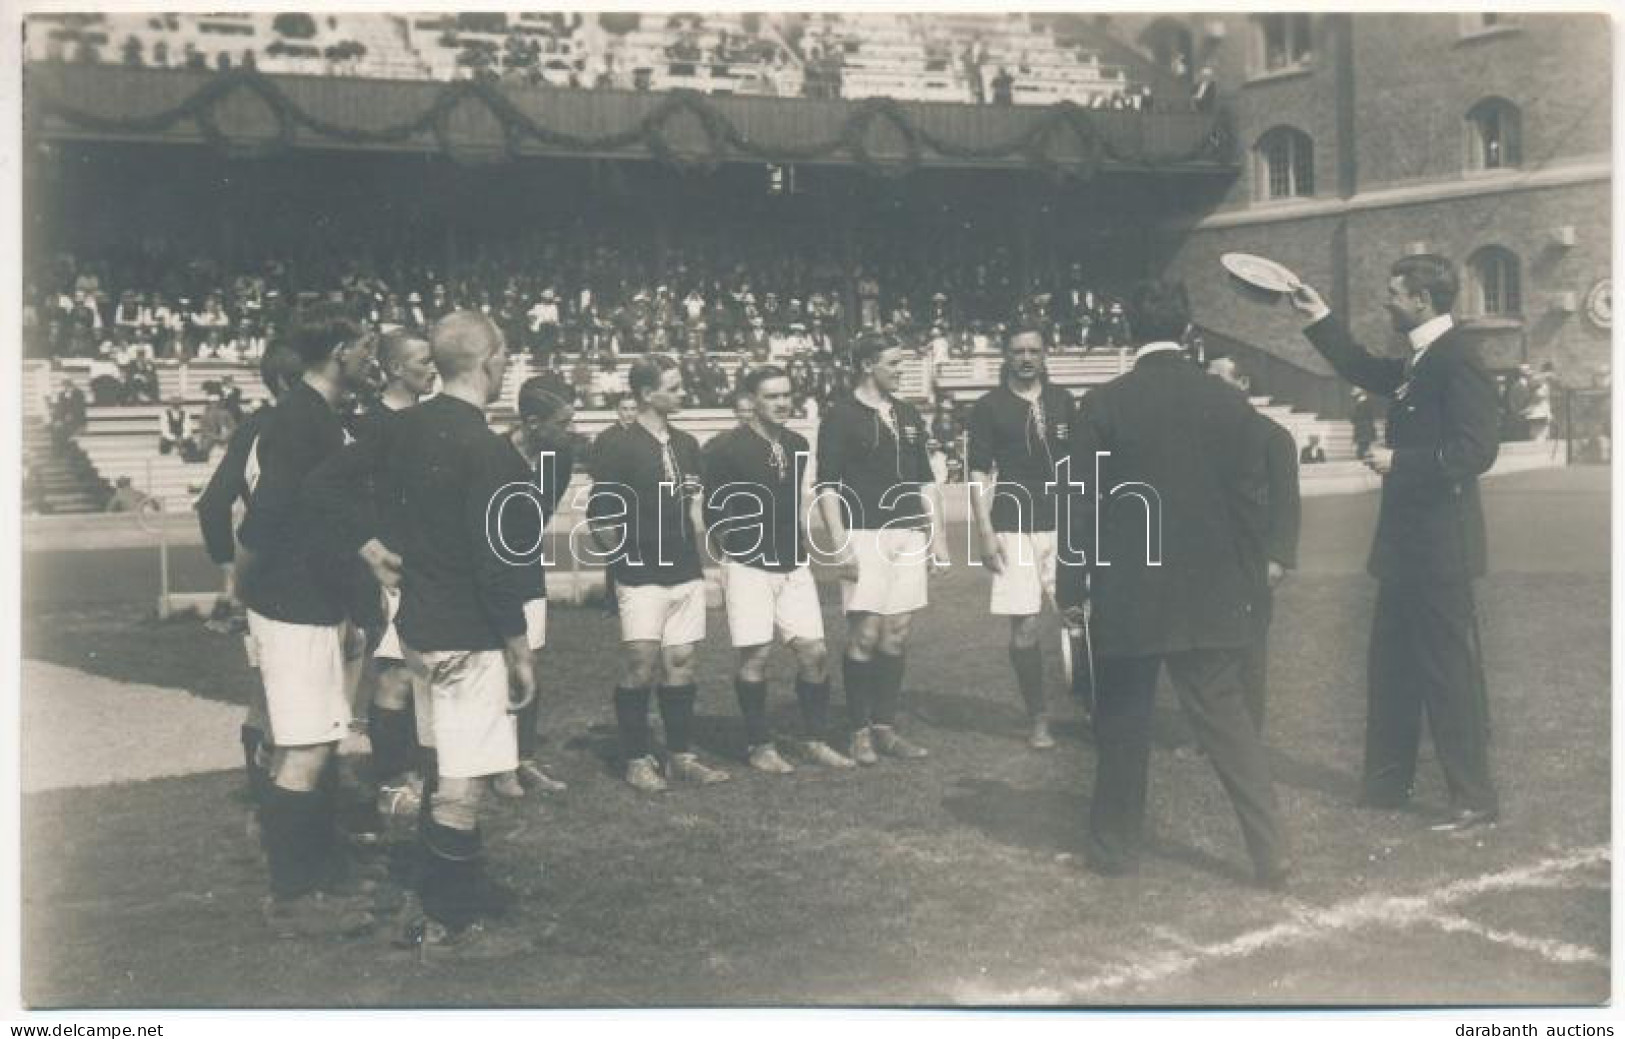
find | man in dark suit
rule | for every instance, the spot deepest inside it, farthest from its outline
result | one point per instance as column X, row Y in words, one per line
column 1278, row 551
column 1175, row 466
column 1441, row 434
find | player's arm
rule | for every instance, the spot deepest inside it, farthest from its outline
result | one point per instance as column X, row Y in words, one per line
column 831, row 466
column 338, row 495
column 501, row 585
column 288, row 451
column 214, row 505
column 607, row 527
column 1075, row 523
column 979, row 462
column 717, row 474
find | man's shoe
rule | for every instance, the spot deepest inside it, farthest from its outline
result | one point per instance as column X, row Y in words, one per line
column 533, row 778
column 644, row 774
column 863, row 747
column 318, row 915
column 822, row 753
column 1041, row 738
column 1466, row 820
column 892, row 745
column 434, row 941
column 507, row 785
column 689, row 768
column 766, row 758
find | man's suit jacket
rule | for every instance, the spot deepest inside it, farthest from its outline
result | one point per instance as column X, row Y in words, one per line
column 1444, row 429
column 1199, row 447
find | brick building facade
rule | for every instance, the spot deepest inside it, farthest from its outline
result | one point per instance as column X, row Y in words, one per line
column 1482, row 138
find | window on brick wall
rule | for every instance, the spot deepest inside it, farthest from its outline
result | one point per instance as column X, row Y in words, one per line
column 1285, row 164
column 1494, row 288
column 1281, row 41
column 1494, row 132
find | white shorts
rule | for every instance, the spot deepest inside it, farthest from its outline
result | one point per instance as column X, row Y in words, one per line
column 302, row 667
column 763, row 603
column 1029, row 574
column 892, row 572
column 671, row 616
column 536, row 623
column 468, row 698
column 389, row 647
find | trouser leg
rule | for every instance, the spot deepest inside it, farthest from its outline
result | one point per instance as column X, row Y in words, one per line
column 1393, row 723
column 1255, row 662
column 1449, row 678
column 1125, row 693
column 1210, row 690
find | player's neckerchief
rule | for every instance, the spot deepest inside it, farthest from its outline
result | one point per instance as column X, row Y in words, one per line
column 781, row 461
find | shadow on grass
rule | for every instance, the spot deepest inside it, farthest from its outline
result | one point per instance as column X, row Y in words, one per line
column 1055, row 822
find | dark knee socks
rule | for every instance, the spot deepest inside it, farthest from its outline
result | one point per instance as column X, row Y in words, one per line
column 677, row 714
column 393, row 733
column 858, row 677
column 813, row 699
column 295, row 831
column 1028, row 662
column 453, row 863
column 753, row 705
column 632, row 722
column 887, row 687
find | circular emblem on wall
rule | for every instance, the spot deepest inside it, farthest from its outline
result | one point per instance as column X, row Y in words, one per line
column 1599, row 308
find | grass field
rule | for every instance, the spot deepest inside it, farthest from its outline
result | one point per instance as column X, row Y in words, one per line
column 956, row 880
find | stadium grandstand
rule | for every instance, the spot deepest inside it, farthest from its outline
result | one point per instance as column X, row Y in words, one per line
column 806, row 179
column 960, row 59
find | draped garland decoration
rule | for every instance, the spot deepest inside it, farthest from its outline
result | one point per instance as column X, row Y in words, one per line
column 1041, row 144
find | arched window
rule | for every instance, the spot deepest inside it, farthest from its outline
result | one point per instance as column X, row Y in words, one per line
column 1494, row 135
column 1494, row 288
column 1286, row 164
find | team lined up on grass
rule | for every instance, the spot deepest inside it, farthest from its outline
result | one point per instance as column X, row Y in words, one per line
column 377, row 549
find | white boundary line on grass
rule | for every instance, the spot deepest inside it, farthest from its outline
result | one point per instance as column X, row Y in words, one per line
column 1549, row 949
column 1312, row 924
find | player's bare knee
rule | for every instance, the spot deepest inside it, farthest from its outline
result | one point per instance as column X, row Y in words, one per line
column 638, row 666
column 678, row 664
column 456, row 802
column 863, row 637
column 753, row 662
column 300, row 768
column 1023, row 632
column 812, row 660
column 393, row 691
column 894, row 634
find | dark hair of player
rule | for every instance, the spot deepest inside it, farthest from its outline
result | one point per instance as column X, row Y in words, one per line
column 1158, row 311
column 321, row 329
column 756, row 376
column 1430, row 274
column 537, row 399
column 280, row 368
column 645, row 374
column 1025, row 328
column 870, row 346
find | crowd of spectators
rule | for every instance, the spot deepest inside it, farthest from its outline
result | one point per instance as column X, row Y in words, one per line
column 576, row 302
